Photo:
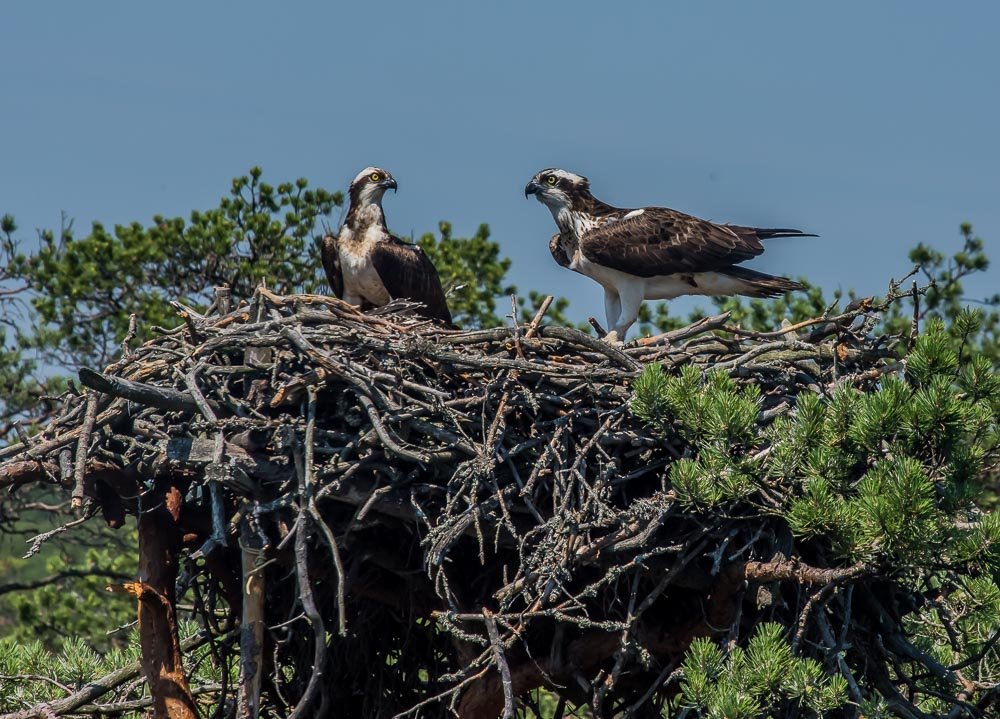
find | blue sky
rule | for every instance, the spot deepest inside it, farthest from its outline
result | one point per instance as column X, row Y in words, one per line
column 872, row 124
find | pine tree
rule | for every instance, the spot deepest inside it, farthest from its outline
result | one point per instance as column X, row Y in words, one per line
column 891, row 484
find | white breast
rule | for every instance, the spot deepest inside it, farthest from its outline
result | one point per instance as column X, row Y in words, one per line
column 361, row 281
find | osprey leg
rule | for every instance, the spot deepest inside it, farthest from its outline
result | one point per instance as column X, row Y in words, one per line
column 631, row 297
column 612, row 308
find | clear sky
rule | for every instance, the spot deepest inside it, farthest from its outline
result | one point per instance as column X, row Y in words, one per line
column 873, row 124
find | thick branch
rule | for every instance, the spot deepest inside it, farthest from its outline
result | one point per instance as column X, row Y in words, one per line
column 165, row 398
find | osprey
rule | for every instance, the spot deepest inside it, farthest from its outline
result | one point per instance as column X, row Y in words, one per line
column 368, row 266
column 650, row 253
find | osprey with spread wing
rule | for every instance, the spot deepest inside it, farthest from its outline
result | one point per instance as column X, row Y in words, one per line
column 651, row 253
column 368, row 266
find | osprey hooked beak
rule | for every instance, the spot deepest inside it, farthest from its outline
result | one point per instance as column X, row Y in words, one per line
column 531, row 188
column 389, row 182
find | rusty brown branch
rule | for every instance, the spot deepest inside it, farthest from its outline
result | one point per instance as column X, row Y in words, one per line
column 162, row 663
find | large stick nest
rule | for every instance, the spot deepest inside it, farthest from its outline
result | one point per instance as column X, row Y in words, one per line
column 443, row 520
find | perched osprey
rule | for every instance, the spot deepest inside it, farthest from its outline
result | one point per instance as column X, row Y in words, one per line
column 368, row 266
column 650, row 253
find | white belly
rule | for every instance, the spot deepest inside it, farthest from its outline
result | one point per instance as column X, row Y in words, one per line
column 361, row 281
column 605, row 276
column 705, row 283
column 664, row 287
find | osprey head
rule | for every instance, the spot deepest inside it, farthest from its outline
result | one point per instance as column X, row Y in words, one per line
column 369, row 186
column 558, row 189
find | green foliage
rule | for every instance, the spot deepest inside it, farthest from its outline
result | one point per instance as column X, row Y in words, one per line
column 20, row 392
column 761, row 680
column 650, row 402
column 888, row 478
column 86, row 288
column 472, row 273
column 71, row 606
column 33, row 673
column 970, row 620
column 906, row 454
column 878, row 473
column 946, row 299
column 711, row 412
column 819, row 511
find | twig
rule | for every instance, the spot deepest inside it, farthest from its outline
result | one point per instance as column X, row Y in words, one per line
column 537, row 319
column 508, row 690
column 328, row 535
column 38, row 540
column 915, row 321
column 831, row 644
column 306, row 593
column 94, row 572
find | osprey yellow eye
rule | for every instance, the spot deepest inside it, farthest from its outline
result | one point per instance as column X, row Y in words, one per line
column 375, row 177
column 552, row 179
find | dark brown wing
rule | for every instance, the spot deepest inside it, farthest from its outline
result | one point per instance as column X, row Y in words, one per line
column 330, row 255
column 661, row 241
column 557, row 251
column 408, row 273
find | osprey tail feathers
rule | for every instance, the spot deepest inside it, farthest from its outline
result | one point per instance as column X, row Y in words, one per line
column 759, row 284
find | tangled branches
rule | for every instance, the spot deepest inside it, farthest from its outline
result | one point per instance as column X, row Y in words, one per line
column 403, row 520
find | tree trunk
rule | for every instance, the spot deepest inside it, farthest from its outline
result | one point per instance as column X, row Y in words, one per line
column 159, row 542
column 251, row 628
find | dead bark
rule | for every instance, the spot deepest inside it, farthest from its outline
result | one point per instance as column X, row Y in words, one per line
column 162, row 662
column 160, row 397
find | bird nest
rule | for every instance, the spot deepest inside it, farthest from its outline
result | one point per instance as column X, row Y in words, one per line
column 380, row 517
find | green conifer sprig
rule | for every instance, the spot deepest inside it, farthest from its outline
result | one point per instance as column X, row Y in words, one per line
column 890, row 479
column 757, row 681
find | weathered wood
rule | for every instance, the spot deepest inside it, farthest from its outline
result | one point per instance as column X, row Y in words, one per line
column 82, row 446
column 251, row 625
column 223, row 300
column 165, row 398
column 239, row 468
